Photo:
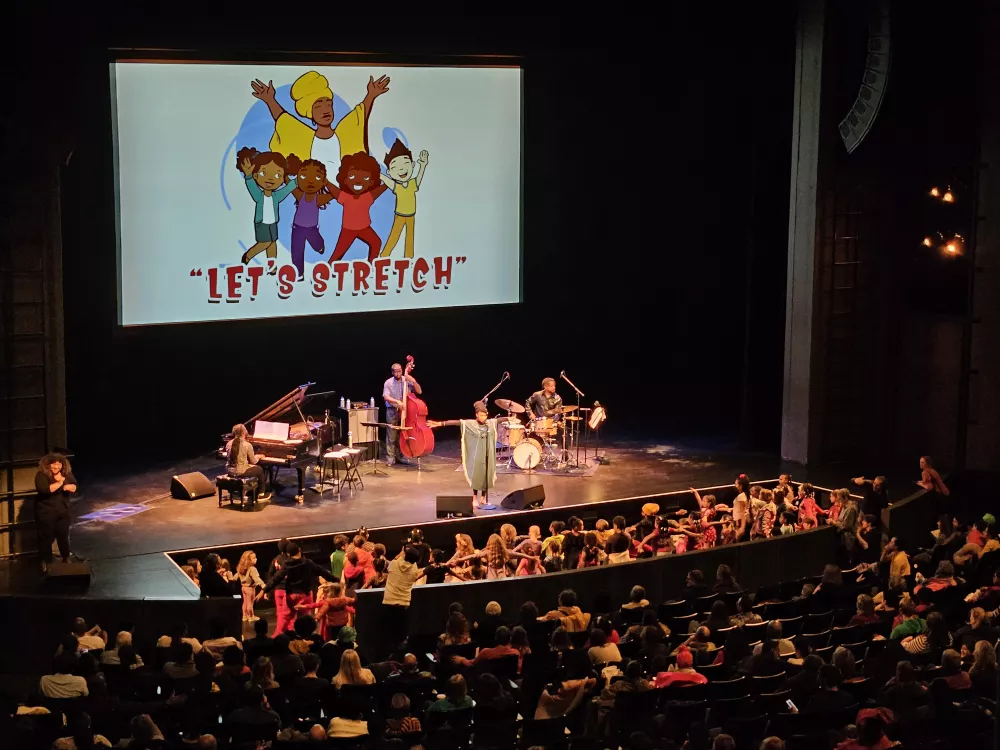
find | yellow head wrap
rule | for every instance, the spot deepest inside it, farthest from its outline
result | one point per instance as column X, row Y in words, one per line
column 307, row 88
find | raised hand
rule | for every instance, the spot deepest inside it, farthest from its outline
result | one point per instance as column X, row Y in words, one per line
column 422, row 158
column 379, row 87
column 262, row 91
column 246, row 166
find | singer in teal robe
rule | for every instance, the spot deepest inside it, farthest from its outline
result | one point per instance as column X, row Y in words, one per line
column 479, row 450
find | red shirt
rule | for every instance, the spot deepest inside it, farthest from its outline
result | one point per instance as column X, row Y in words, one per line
column 976, row 537
column 356, row 209
column 663, row 679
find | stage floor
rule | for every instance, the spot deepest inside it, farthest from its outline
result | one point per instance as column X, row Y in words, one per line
column 123, row 522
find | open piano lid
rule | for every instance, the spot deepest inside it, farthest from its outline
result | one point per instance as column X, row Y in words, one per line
column 288, row 408
column 296, row 407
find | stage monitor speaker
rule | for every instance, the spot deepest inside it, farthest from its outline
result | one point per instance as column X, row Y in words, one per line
column 454, row 506
column 191, row 486
column 532, row 497
column 69, row 574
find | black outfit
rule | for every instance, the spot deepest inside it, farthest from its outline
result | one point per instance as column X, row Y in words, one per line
column 256, row 647
column 299, row 575
column 425, row 553
column 696, row 592
column 803, row 686
column 875, row 501
column 984, row 682
column 435, row 574
column 618, row 543
column 969, row 637
column 250, row 717
column 727, row 587
column 572, row 546
column 309, row 689
column 873, row 538
column 213, row 584
column 486, row 630
column 544, row 406
column 829, row 701
column 52, row 516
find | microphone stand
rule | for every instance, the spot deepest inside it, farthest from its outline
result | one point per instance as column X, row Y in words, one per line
column 579, row 395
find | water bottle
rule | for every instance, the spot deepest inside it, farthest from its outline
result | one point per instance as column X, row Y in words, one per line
column 350, row 439
column 348, row 404
column 341, row 402
column 371, row 404
column 326, row 416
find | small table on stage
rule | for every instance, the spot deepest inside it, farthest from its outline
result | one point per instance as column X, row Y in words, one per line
column 350, row 457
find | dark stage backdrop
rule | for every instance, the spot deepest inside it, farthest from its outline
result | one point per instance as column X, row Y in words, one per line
column 637, row 214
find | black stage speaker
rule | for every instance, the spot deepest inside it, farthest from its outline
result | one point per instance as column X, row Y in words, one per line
column 532, row 497
column 70, row 574
column 454, row 506
column 191, row 486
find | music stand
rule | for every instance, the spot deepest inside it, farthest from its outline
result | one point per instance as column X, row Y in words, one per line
column 378, row 444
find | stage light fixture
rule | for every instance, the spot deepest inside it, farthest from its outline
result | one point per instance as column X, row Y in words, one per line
column 935, row 192
column 928, row 241
column 951, row 247
column 948, row 197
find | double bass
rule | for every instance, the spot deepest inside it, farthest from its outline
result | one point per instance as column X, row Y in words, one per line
column 417, row 439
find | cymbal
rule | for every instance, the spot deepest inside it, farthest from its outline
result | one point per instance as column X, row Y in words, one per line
column 573, row 419
column 507, row 405
column 567, row 409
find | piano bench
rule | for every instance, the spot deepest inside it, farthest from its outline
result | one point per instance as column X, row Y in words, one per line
column 243, row 487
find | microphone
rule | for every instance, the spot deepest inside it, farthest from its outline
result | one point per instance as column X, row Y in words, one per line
column 562, row 373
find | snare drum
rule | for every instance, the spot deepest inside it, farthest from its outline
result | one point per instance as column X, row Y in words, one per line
column 528, row 453
column 510, row 433
column 544, row 426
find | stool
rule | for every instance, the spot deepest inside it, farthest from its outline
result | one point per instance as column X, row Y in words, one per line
column 352, row 459
column 243, row 487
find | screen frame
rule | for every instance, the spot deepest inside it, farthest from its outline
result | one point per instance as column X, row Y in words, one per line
column 154, row 55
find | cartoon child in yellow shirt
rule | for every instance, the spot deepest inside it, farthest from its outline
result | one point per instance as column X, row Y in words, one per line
column 404, row 183
column 313, row 100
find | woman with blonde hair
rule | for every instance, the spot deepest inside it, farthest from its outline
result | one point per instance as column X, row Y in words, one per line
column 250, row 581
column 464, row 548
column 984, row 669
column 351, row 672
column 262, row 674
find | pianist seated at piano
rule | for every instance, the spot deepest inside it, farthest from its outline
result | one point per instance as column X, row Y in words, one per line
column 241, row 461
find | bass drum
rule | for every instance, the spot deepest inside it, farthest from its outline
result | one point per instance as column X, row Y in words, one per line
column 509, row 434
column 528, row 453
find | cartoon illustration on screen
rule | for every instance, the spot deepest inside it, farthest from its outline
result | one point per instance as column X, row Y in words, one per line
column 268, row 182
column 404, row 183
column 312, row 98
column 358, row 187
column 311, row 196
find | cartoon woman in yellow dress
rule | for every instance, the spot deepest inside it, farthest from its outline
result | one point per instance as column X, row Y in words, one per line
column 313, row 100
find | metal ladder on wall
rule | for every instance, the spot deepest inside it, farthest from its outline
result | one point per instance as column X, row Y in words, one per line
column 24, row 430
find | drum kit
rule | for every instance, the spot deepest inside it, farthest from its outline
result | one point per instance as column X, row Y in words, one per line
column 546, row 441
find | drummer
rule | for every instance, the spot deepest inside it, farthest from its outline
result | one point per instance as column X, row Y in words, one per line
column 546, row 402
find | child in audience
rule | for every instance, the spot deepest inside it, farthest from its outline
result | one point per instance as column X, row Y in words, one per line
column 339, row 557
column 226, row 570
column 532, row 545
column 592, row 555
column 604, row 531
column 381, row 566
column 250, row 581
column 554, row 561
column 787, row 526
column 555, row 535
column 529, row 566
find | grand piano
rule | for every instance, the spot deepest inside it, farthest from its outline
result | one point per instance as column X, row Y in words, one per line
column 288, row 435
